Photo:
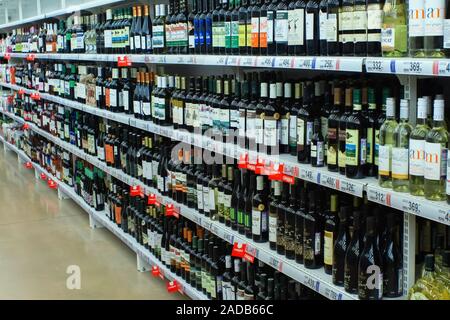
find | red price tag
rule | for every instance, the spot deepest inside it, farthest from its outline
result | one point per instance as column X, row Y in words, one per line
column 243, row 161
column 26, row 126
column 31, row 57
column 172, row 286
column 151, row 199
column 123, row 61
column 259, row 169
column 287, row 179
column 28, row 165
column 35, row 96
column 7, row 56
column 135, row 191
column 43, row 176
column 21, row 91
column 52, row 184
column 171, row 211
column 238, row 250
column 275, row 171
column 248, row 257
column 155, row 271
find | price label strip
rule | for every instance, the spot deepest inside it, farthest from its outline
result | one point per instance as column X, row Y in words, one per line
column 311, row 283
column 417, row 67
column 248, row 61
column 265, row 62
column 380, row 65
column 284, row 62
column 328, row 64
column 309, row 175
column 329, row 181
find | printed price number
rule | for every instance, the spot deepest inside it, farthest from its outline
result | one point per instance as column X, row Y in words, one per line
column 247, row 62
column 190, row 60
column 348, row 187
column 232, row 61
column 311, row 283
column 284, row 62
column 415, row 67
column 307, row 175
column 307, row 64
column 327, row 64
column 276, row 264
column 332, row 295
column 251, row 250
column 329, row 181
column 375, row 66
column 411, row 206
column 221, row 61
column 206, row 224
column 265, row 62
column 215, row 229
column 228, row 237
column 379, row 196
column 444, row 68
column 447, row 217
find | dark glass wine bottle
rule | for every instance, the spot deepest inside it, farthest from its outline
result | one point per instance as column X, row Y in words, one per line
column 330, row 234
column 273, row 214
column 346, row 28
column 342, row 130
column 392, row 262
column 260, row 214
column 340, row 247
column 312, row 28
column 312, row 234
column 333, row 41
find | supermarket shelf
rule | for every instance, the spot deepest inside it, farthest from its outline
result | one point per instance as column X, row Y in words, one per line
column 434, row 210
column 317, row 280
column 61, row 12
column 396, row 66
column 100, row 216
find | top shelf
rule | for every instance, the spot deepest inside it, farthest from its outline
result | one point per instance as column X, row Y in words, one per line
column 395, row 66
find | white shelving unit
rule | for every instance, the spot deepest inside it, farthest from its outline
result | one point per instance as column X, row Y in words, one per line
column 98, row 219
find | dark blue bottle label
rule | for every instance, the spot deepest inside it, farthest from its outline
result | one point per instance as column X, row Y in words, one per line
column 208, row 32
column 202, row 31
column 196, row 32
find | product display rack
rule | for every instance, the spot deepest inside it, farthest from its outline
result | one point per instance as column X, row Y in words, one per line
column 317, row 280
column 98, row 219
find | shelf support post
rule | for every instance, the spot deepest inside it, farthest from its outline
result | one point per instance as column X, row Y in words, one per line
column 409, row 251
column 20, row 10
column 94, row 223
column 38, row 7
column 6, row 15
column 62, row 195
column 142, row 265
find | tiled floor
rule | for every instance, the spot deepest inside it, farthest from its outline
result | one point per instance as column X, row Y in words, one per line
column 41, row 236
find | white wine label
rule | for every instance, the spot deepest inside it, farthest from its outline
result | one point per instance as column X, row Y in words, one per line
column 328, row 247
column 400, row 163
column 346, row 21
column 447, row 34
column 270, row 132
column 433, row 154
column 387, row 39
column 281, row 26
column 310, row 26
column 360, row 20
column 434, row 17
column 296, row 27
column 384, row 160
column 416, row 157
column 272, row 229
column 374, row 18
column 285, row 131
column 323, row 25
column 256, row 222
column 332, row 32
column 416, row 18
column 317, row 243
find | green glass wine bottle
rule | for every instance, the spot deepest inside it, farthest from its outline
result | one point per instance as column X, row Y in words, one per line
column 386, row 143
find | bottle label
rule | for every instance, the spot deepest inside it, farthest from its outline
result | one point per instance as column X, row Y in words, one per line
column 270, row 28
column 281, row 26
column 447, row 34
column 434, row 162
column 309, row 132
column 242, row 34
column 255, row 32
column 332, row 28
column 146, row 108
column 346, row 21
column 328, row 248
column 213, row 195
column 270, row 132
column 259, row 130
column 293, row 130
column 284, row 131
column 125, row 100
column 235, row 34
column 263, row 30
column 394, row 38
column 352, row 147
column 250, row 132
column 272, row 229
column 400, row 163
column 416, row 18
column 112, row 97
column 256, row 222
column 377, row 146
column 227, row 34
column 317, row 243
column 309, row 26
column 300, row 134
column 369, row 145
column 206, row 204
column 158, row 36
column 200, row 197
column 384, row 160
column 323, row 25
column 360, row 25
column 296, row 19
column 434, row 18
column 363, row 146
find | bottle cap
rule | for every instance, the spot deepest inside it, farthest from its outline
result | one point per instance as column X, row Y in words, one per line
column 390, row 107
column 404, row 109
column 421, row 108
column 438, row 110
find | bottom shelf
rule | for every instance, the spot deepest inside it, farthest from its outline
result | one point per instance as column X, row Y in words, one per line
column 100, row 218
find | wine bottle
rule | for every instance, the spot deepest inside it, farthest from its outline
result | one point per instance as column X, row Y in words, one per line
column 436, row 155
column 330, row 233
column 260, row 212
column 248, row 213
column 374, row 23
column 394, row 29
column 271, row 124
column 297, row 26
column 281, row 28
column 305, row 126
column 295, row 107
column 333, row 129
column 333, row 21
column 386, row 144
column 323, row 27
column 312, row 234
column 312, row 28
column 392, row 262
column 356, row 140
column 434, row 28
column 370, row 274
column 417, row 150
column 360, row 26
column 271, row 7
column 299, row 227
column 400, row 151
column 416, row 28
column 317, row 146
column 346, row 27
column 342, row 130
column 371, row 116
column 340, row 247
column 273, row 214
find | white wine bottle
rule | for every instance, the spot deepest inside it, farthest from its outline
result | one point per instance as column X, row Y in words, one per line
column 400, row 177
column 436, row 155
column 417, row 150
column 434, row 28
column 394, row 31
column 416, row 31
column 386, row 143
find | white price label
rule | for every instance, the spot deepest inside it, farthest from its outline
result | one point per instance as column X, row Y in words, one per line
column 351, row 187
column 206, row 224
column 304, row 63
column 248, row 62
column 214, row 229
column 419, row 67
column 327, row 64
column 379, row 196
column 233, row 61
column 380, row 65
column 276, row 264
column 311, row 283
column 228, row 237
column 308, row 174
column 191, row 60
column 221, row 61
column 332, row 295
column 329, row 181
column 180, row 60
column 251, row 250
column 284, row 62
column 411, row 206
column 264, row 62
column 444, row 68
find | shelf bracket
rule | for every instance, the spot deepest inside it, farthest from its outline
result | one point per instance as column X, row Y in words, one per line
column 142, row 265
column 62, row 195
column 94, row 223
column 409, row 251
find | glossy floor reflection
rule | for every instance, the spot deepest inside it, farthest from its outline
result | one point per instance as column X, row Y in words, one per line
column 40, row 236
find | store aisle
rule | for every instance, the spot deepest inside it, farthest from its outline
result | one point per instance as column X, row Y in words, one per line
column 41, row 236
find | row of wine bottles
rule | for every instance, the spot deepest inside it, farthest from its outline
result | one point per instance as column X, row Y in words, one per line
column 270, row 27
column 189, row 251
column 338, row 124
